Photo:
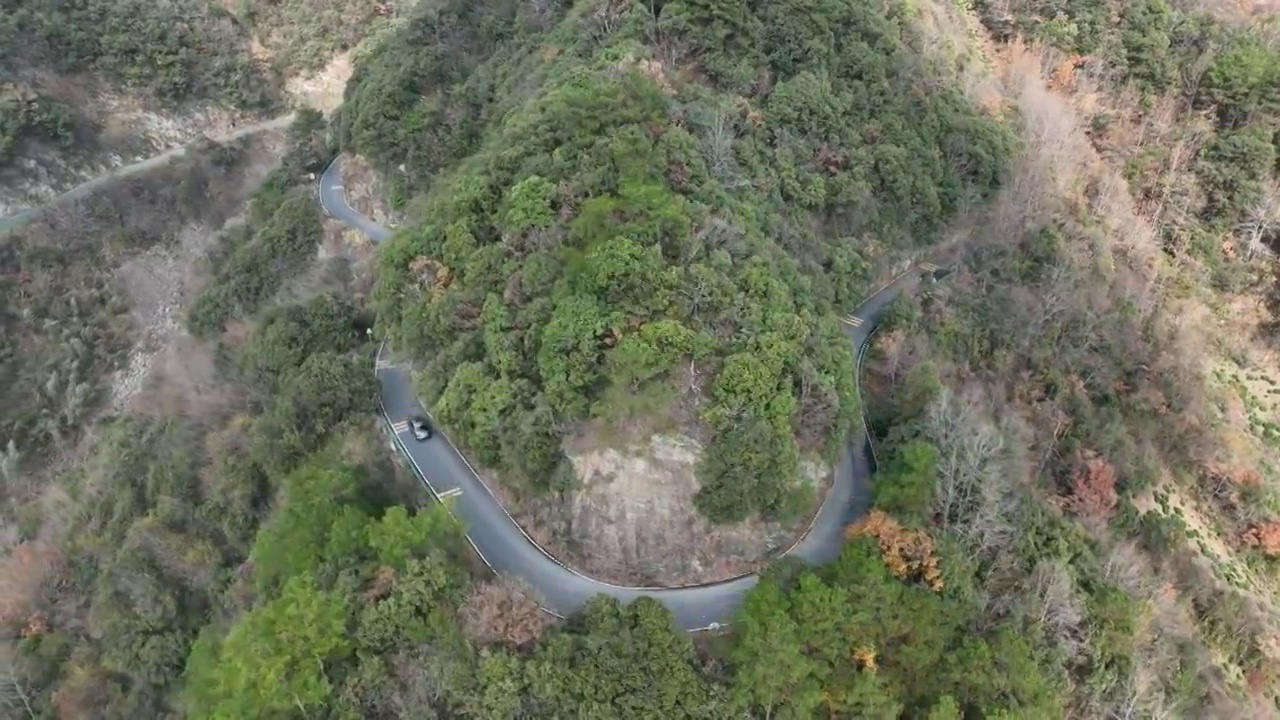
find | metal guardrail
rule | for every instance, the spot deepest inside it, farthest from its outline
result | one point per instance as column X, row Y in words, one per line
column 862, row 406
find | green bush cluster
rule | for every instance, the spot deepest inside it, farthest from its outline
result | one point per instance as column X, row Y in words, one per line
column 323, row 542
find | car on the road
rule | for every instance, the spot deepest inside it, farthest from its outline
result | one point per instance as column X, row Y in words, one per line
column 421, row 428
column 933, row 276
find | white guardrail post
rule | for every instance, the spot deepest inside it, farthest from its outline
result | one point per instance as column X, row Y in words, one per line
column 862, row 406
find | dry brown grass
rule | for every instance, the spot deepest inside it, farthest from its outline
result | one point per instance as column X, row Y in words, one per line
column 25, row 574
column 169, row 217
column 506, row 610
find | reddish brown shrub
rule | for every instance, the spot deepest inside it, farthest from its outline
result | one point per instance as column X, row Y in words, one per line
column 1221, row 473
column 381, row 583
column 23, row 577
column 506, row 610
column 1265, row 537
column 1093, row 488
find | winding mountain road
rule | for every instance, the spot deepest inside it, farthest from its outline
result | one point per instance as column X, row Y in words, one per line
column 499, row 540
column 507, row 548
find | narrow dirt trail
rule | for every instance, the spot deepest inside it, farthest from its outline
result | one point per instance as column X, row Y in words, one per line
column 18, row 219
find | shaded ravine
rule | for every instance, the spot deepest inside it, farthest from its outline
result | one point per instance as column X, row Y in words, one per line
column 506, row 548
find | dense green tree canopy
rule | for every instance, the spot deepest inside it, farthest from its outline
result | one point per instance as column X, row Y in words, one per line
column 593, row 234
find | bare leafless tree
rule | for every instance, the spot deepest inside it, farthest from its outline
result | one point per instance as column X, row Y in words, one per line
column 1062, row 615
column 1261, row 219
column 974, row 496
column 14, row 693
column 604, row 21
column 718, row 136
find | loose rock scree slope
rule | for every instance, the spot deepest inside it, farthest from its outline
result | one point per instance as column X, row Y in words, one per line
column 506, row 548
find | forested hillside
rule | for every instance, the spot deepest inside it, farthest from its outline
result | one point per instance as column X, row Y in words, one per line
column 90, row 83
column 1086, row 410
column 134, row 477
column 654, row 215
column 1204, row 93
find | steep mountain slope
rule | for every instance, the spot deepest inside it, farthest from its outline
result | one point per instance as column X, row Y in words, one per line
column 135, row 447
column 1085, row 409
column 86, row 86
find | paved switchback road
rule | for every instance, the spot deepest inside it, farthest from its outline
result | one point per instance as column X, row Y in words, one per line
column 506, row 548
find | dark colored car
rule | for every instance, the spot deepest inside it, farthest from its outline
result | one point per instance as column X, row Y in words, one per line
column 421, row 428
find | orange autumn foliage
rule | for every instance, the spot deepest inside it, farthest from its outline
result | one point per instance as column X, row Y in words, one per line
column 907, row 553
column 1265, row 537
column 1093, row 487
column 866, row 659
column 1064, row 75
column 433, row 276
